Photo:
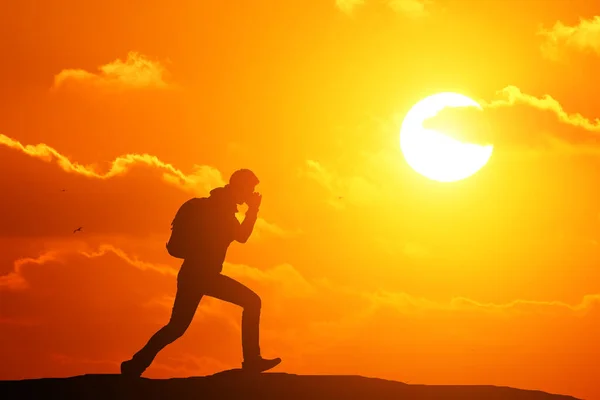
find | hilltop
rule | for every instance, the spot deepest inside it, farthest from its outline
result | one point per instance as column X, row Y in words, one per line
column 267, row 386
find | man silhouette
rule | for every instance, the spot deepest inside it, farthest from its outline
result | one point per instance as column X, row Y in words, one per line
column 200, row 275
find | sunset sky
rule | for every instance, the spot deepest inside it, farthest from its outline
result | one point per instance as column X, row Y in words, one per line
column 364, row 266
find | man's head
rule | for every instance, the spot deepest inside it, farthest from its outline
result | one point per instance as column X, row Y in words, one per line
column 242, row 183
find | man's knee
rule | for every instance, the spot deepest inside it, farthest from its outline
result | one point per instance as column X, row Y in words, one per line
column 176, row 328
column 254, row 302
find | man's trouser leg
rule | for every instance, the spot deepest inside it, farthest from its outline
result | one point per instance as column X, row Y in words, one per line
column 227, row 289
column 186, row 302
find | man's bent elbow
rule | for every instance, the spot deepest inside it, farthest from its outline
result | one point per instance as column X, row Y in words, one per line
column 242, row 239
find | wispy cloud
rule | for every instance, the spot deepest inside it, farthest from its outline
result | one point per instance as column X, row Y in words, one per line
column 342, row 190
column 284, row 277
column 348, row 6
column 201, row 180
column 263, row 227
column 198, row 183
column 406, row 303
column 584, row 36
column 133, row 261
column 512, row 95
column 325, row 316
column 409, row 8
column 515, row 118
column 525, row 306
column 14, row 280
column 289, row 283
column 137, row 71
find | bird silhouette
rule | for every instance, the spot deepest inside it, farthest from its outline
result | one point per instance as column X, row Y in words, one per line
column 63, row 190
column 78, row 229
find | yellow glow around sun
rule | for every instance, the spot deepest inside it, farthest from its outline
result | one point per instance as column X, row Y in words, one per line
column 434, row 154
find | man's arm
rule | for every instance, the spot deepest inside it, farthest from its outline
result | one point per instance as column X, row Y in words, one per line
column 245, row 228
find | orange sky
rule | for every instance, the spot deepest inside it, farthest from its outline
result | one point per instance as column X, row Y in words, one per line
column 489, row 280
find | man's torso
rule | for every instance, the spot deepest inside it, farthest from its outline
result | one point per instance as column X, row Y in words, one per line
column 217, row 227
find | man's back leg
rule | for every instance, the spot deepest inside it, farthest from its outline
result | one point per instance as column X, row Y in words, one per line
column 186, row 302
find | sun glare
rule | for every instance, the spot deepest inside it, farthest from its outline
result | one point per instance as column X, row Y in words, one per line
column 434, row 154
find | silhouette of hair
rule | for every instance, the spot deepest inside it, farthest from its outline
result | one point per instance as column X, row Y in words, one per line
column 243, row 177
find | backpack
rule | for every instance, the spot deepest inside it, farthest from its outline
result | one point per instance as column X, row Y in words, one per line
column 187, row 226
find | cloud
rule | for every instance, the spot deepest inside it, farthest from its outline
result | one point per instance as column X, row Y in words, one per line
column 263, row 227
column 201, row 180
column 285, row 278
column 76, row 298
column 406, row 303
column 14, row 279
column 317, row 172
column 356, row 190
column 107, row 286
column 512, row 96
column 133, row 261
column 290, row 283
column 587, row 303
column 518, row 119
column 293, row 283
column 466, row 124
column 583, row 37
column 137, row 71
column 303, row 319
column 348, row 6
column 409, row 8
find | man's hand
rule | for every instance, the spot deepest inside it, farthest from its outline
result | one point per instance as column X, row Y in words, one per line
column 254, row 201
column 245, row 228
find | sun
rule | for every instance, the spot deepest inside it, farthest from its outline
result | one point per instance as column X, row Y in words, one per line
column 434, row 154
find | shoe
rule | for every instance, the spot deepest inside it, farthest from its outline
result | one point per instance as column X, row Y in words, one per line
column 130, row 370
column 260, row 364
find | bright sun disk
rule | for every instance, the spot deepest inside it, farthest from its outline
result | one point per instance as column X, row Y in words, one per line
column 432, row 153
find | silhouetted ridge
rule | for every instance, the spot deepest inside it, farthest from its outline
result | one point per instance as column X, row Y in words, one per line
column 235, row 384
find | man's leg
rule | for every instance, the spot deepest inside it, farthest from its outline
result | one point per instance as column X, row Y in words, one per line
column 186, row 302
column 225, row 288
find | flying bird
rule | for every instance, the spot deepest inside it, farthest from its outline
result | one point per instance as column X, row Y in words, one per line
column 78, row 229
